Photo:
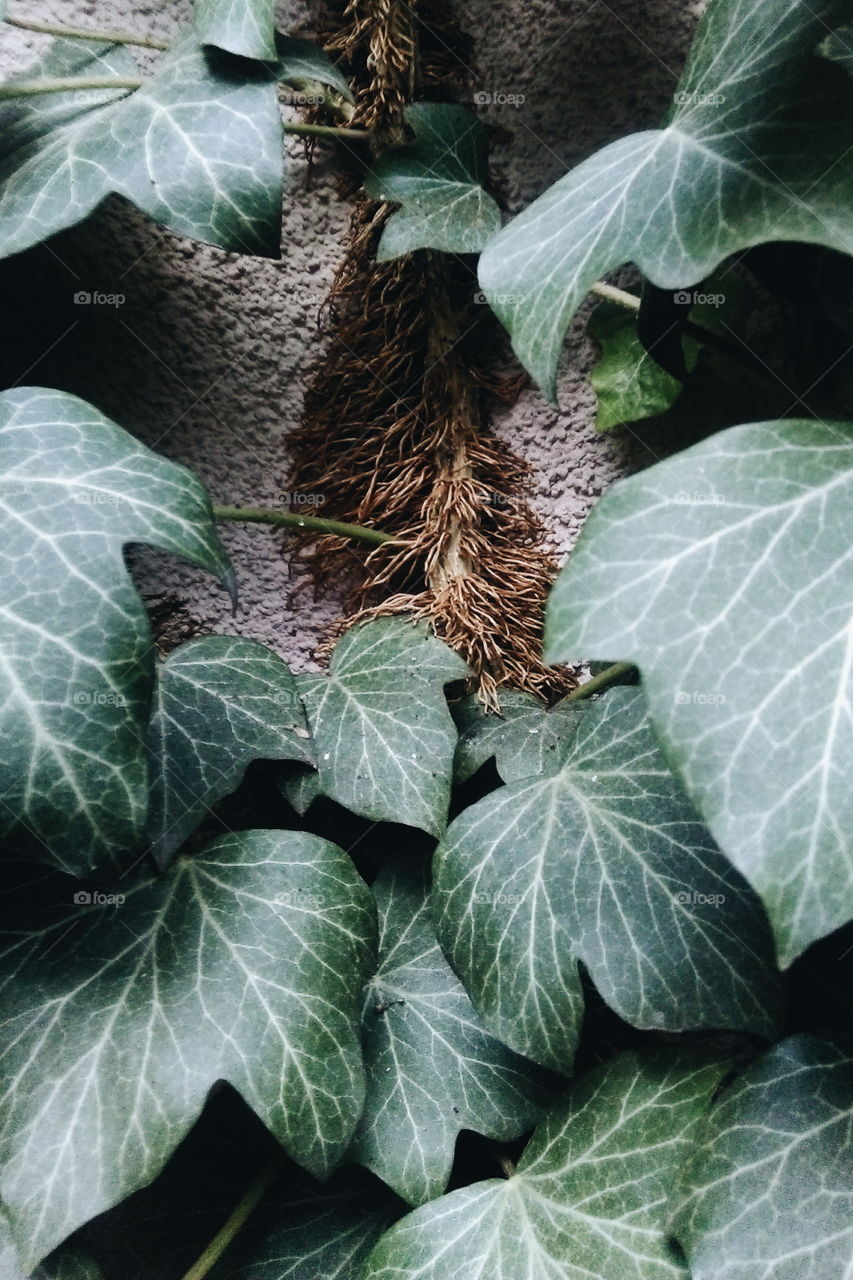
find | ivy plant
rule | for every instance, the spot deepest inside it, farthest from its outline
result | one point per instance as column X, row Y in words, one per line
column 361, row 971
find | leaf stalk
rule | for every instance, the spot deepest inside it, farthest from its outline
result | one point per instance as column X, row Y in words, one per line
column 237, row 1220
column 604, row 679
column 309, row 524
column 85, row 33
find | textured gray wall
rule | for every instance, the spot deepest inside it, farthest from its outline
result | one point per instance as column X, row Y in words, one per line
column 207, row 359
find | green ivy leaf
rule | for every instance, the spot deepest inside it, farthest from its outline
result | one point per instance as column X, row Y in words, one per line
column 588, row 1199
column 197, row 148
column 382, row 731
column 303, row 64
column 77, row 660
column 604, row 862
column 244, row 27
column 750, row 153
column 438, row 180
column 242, row 964
column 724, row 573
column 220, row 702
column 432, row 1067
column 525, row 739
column 769, row 1189
column 629, row 383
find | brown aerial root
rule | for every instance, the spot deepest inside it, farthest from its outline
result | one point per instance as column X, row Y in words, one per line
column 395, row 432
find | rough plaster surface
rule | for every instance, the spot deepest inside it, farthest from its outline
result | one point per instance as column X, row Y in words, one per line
column 208, row 357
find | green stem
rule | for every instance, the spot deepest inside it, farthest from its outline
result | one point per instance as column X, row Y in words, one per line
column 507, row 1166
column 84, row 33
column 69, row 84
column 326, row 131
column 237, row 1220
column 609, row 291
column 605, row 678
column 66, row 84
column 313, row 524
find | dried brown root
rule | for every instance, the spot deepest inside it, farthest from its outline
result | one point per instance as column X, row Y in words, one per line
column 395, row 432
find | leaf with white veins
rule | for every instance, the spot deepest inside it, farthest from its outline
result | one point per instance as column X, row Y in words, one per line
column 198, row 147
column 726, row 575
column 220, row 702
column 526, row 738
column 768, row 1194
column 382, row 731
column 437, row 178
column 603, row 862
column 432, row 1067
column 751, row 152
column 76, row 659
column 243, row 27
column 588, row 1199
column 244, row 963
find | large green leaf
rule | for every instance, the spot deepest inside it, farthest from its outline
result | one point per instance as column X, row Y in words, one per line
column 588, row 1199
column 438, row 179
column 197, row 148
column 525, row 738
column 382, row 731
column 220, row 702
column 769, row 1190
column 244, row 964
column 605, row 862
column 726, row 574
column 751, row 152
column 432, row 1068
column 76, row 660
column 244, row 27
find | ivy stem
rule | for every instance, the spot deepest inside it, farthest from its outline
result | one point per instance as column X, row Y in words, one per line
column 237, row 1220
column 507, row 1166
column 326, row 131
column 604, row 679
column 66, row 84
column 70, row 84
column 609, row 291
column 312, row 524
column 84, row 33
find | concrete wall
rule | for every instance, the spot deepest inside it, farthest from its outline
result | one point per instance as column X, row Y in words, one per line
column 207, row 359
